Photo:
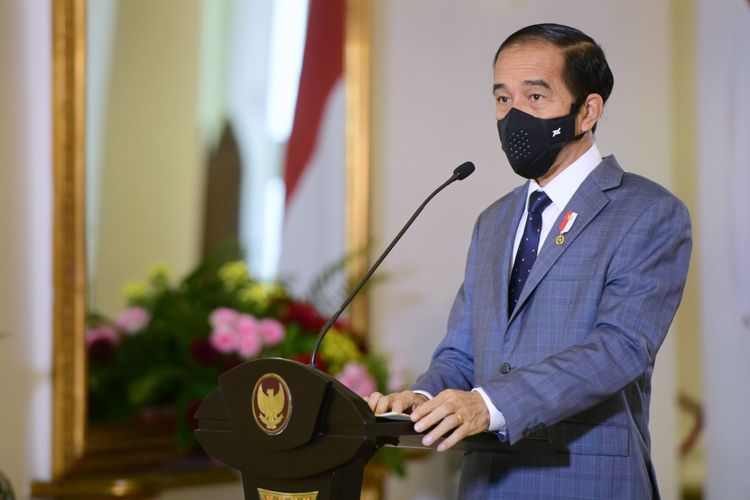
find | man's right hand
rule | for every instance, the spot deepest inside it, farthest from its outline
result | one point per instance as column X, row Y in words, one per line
column 398, row 402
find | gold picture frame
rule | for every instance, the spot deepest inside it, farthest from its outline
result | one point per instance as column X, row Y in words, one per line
column 72, row 443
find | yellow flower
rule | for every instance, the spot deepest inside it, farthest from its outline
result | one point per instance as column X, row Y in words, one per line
column 338, row 349
column 275, row 291
column 254, row 293
column 234, row 275
column 159, row 275
column 134, row 291
column 261, row 294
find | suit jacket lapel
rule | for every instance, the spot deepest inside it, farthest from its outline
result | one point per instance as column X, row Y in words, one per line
column 587, row 202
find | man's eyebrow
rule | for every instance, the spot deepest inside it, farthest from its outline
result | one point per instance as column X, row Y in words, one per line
column 527, row 83
column 537, row 83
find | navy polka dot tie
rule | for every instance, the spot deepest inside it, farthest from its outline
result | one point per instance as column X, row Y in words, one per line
column 527, row 249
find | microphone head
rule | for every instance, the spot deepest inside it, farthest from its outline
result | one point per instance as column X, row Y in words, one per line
column 464, row 170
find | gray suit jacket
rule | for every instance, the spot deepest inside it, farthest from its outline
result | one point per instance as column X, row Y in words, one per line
column 573, row 363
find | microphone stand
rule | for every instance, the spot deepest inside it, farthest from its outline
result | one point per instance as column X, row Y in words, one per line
column 460, row 173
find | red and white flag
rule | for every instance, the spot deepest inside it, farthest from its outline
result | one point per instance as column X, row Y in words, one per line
column 314, row 170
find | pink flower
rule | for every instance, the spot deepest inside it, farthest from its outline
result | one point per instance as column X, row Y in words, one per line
column 250, row 340
column 103, row 332
column 133, row 319
column 225, row 340
column 223, row 317
column 250, row 343
column 271, row 330
column 247, row 324
column 354, row 376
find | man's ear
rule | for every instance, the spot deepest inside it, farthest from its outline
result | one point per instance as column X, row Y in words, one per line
column 590, row 111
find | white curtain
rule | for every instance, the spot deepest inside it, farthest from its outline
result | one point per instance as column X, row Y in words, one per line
column 723, row 229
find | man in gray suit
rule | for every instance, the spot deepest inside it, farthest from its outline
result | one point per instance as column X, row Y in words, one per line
column 558, row 348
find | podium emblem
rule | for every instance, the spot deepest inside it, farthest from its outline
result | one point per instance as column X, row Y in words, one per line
column 264, row 494
column 272, row 404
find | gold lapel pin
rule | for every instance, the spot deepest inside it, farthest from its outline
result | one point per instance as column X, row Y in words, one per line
column 560, row 239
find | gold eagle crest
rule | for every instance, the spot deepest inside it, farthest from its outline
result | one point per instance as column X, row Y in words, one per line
column 272, row 403
column 271, row 407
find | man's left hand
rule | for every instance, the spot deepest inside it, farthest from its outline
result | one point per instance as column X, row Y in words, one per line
column 464, row 413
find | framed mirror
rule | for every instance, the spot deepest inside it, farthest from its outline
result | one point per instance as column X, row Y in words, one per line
column 81, row 451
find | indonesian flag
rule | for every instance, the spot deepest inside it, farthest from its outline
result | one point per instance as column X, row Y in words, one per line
column 314, row 222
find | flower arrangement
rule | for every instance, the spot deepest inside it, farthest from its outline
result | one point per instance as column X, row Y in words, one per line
column 168, row 347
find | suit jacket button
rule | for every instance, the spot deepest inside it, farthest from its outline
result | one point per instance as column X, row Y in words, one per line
column 505, row 368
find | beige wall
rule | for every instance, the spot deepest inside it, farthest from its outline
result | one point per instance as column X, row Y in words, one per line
column 690, row 361
column 151, row 172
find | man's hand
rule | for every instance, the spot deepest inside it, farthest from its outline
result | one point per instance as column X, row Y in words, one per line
column 462, row 412
column 399, row 402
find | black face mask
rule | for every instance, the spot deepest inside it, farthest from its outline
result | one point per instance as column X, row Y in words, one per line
column 532, row 144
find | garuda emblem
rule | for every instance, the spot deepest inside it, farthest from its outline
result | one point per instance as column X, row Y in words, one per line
column 272, row 404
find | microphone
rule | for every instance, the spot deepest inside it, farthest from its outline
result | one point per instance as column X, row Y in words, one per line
column 460, row 173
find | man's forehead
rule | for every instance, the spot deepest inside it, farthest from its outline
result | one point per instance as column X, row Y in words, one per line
column 531, row 63
column 534, row 45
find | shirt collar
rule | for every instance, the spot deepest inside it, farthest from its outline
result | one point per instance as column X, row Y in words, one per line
column 562, row 188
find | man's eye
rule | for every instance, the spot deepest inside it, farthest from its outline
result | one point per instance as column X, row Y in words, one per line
column 503, row 99
column 536, row 97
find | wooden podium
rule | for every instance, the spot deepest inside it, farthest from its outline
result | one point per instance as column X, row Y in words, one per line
column 296, row 433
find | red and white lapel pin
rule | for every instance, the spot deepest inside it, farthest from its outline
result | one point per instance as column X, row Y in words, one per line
column 565, row 225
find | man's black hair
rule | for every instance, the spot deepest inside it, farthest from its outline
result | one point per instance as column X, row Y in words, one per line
column 585, row 70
